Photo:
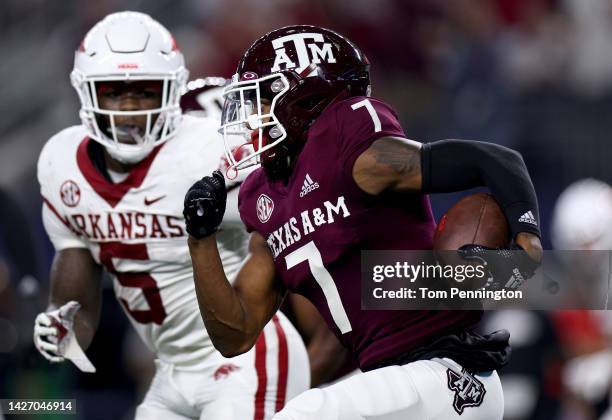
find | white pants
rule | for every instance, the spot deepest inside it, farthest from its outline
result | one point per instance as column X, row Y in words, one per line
column 422, row 390
column 254, row 385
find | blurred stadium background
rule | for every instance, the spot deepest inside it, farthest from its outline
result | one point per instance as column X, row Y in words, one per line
column 535, row 75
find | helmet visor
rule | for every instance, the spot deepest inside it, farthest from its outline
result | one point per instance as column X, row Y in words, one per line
column 248, row 119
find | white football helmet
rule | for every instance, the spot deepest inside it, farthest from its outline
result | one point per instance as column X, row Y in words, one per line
column 583, row 216
column 129, row 46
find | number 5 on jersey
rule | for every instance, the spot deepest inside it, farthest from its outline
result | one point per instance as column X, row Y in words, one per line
column 141, row 280
column 309, row 252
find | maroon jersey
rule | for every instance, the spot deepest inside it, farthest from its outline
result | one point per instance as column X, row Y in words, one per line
column 319, row 221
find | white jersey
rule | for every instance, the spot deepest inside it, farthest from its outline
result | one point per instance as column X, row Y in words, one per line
column 136, row 230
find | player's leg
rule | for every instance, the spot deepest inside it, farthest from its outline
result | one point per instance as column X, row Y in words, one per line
column 263, row 379
column 457, row 394
column 163, row 401
column 375, row 393
column 298, row 364
column 418, row 390
column 236, row 384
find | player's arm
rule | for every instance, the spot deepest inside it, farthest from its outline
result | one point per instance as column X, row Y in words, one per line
column 234, row 316
column 71, row 318
column 327, row 356
column 69, row 322
column 401, row 165
column 75, row 276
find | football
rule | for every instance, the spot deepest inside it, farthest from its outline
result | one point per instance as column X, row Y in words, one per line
column 475, row 219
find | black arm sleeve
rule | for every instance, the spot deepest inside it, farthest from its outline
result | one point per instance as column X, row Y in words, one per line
column 455, row 165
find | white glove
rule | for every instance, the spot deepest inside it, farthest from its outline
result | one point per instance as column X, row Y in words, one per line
column 54, row 337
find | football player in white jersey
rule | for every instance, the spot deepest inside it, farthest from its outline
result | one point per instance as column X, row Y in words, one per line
column 113, row 197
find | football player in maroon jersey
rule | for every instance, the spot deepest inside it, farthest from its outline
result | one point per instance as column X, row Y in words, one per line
column 328, row 359
column 337, row 176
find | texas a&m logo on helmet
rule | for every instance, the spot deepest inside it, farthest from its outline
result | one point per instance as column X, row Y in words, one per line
column 316, row 51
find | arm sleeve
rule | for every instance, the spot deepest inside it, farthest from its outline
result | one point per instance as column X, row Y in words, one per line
column 361, row 121
column 455, row 165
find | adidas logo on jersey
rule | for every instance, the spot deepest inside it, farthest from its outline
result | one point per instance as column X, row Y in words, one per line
column 308, row 186
column 528, row 218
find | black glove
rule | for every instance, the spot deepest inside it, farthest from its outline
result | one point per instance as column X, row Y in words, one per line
column 205, row 205
column 508, row 267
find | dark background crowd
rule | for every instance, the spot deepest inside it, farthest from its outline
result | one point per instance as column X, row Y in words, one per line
column 534, row 75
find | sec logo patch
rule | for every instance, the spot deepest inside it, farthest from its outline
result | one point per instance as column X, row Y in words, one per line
column 70, row 193
column 265, row 207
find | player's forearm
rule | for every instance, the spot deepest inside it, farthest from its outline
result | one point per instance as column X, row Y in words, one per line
column 76, row 277
column 220, row 305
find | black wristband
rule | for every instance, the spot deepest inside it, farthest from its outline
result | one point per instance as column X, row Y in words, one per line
column 456, row 165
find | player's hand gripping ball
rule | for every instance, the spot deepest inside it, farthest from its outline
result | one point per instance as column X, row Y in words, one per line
column 205, row 205
column 509, row 266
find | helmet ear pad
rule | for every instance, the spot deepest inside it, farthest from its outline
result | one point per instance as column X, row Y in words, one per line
column 302, row 104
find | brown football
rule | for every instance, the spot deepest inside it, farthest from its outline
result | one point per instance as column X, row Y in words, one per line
column 475, row 219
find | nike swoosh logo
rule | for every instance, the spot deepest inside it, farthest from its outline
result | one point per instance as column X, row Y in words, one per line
column 148, row 202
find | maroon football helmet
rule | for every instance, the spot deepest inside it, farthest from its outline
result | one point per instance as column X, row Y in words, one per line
column 283, row 83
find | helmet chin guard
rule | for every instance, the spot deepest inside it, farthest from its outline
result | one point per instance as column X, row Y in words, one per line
column 129, row 47
column 130, row 154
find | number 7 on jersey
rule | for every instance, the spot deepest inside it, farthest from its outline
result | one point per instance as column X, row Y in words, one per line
column 309, row 252
column 368, row 105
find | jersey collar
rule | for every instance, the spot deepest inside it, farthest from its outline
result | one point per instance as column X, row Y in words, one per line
column 111, row 192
